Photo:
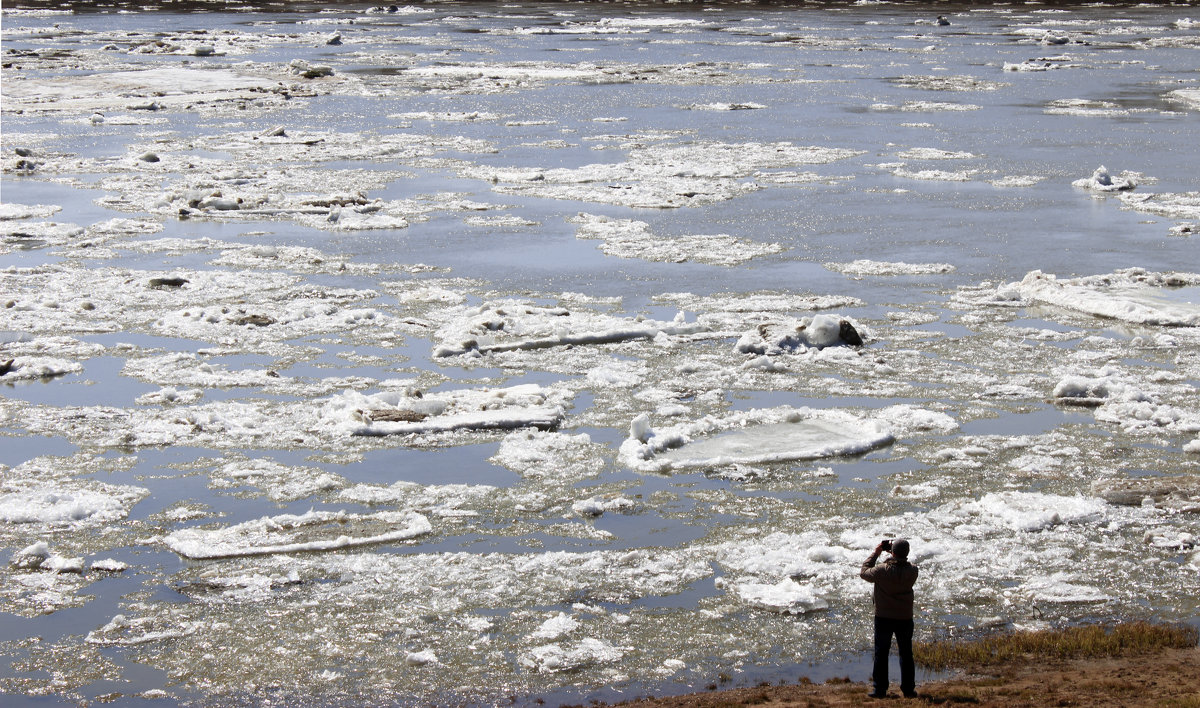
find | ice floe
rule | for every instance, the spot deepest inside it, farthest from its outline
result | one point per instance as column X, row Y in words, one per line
column 292, row 533
column 662, row 177
column 397, row 413
column 753, row 437
column 628, row 238
column 1084, row 107
column 1131, row 295
column 502, row 327
column 949, row 83
column 69, row 505
column 1185, row 205
column 870, row 267
column 170, row 87
column 818, row 332
column 1102, row 181
column 552, row 658
column 125, row 631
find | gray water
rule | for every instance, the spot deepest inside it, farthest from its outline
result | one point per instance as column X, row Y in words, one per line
column 560, row 169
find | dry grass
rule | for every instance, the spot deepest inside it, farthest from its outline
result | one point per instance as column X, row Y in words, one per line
column 1089, row 642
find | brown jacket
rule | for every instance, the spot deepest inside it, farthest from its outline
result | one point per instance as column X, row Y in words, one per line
column 893, row 580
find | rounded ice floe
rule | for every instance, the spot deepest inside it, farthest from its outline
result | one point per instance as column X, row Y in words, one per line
column 1082, row 390
column 421, row 658
column 595, row 506
column 290, row 533
column 32, row 556
column 752, row 437
column 1103, row 181
column 38, row 556
column 1131, row 295
column 109, row 565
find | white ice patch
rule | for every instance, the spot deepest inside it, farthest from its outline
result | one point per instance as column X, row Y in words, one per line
column 554, row 658
column 934, row 175
column 1085, row 108
column 515, row 326
column 1017, row 181
column 751, row 437
column 869, row 267
column 432, row 499
column 172, row 87
column 660, row 176
column 539, row 454
column 290, row 533
column 281, row 482
column 1131, row 295
column 32, row 368
column 558, row 626
column 746, row 106
column 926, row 153
column 122, row 631
column 797, row 336
column 10, row 211
column 627, row 238
column 1026, row 512
column 1185, row 205
column 1188, row 97
column 396, row 413
column 943, row 82
column 1103, row 181
column 787, row 596
column 68, row 504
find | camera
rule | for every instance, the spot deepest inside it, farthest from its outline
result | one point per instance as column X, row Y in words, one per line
column 886, row 544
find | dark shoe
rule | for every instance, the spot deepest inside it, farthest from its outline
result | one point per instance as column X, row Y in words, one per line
column 911, row 694
column 876, row 694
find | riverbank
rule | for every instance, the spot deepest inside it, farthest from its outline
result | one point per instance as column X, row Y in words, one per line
column 1167, row 678
column 1056, row 672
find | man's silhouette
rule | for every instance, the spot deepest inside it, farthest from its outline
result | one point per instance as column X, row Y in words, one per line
column 893, row 596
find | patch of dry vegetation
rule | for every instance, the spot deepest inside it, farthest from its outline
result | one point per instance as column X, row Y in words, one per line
column 1088, row 642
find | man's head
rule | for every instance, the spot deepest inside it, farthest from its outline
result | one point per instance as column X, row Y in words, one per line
column 900, row 548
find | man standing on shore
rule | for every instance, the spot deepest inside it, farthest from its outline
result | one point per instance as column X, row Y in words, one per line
column 893, row 597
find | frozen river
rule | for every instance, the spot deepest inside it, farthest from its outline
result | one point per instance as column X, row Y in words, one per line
column 474, row 352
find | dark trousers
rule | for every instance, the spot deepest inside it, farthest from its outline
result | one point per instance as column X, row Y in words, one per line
column 885, row 627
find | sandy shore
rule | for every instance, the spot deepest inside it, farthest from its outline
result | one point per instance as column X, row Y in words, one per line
column 1169, row 678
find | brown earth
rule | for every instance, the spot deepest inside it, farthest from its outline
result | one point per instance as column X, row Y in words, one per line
column 1167, row 679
